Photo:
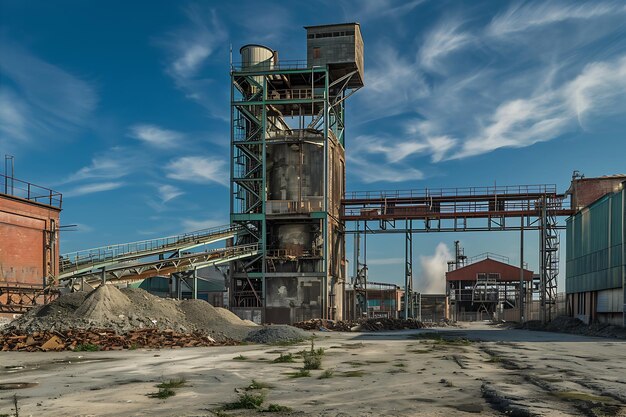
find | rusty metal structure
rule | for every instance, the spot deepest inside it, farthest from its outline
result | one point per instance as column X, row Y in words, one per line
column 476, row 209
column 288, row 175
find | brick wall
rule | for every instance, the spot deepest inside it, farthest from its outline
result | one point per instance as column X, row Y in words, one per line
column 25, row 233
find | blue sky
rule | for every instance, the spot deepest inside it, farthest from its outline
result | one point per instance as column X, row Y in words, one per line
column 123, row 106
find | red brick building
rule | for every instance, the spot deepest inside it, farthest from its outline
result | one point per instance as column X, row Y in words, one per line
column 29, row 244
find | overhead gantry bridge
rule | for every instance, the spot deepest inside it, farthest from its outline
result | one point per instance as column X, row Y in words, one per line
column 475, row 209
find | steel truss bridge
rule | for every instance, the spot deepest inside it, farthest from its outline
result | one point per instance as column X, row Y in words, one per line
column 476, row 209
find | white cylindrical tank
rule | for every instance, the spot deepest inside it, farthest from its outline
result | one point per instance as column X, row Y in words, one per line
column 258, row 57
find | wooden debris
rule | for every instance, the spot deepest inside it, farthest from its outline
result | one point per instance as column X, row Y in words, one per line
column 105, row 339
column 366, row 325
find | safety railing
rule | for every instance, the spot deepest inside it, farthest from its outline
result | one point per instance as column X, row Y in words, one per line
column 269, row 65
column 29, row 191
column 102, row 254
column 548, row 189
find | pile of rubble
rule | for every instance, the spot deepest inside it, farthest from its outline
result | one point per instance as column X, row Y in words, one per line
column 128, row 309
column 111, row 318
column 364, row 325
column 565, row 324
column 104, row 339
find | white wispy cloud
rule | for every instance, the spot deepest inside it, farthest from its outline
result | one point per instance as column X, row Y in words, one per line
column 524, row 16
column 155, row 135
column 365, row 171
column 598, row 90
column 394, row 83
column 92, row 188
column 114, row 163
column 168, row 192
column 363, row 11
column 444, row 39
column 13, row 119
column 189, row 50
column 190, row 225
column 52, row 100
column 199, row 169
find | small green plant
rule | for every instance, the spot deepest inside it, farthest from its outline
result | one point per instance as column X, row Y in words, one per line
column 287, row 358
column 162, row 393
column 246, row 401
column 313, row 358
column 173, row 383
column 302, row 373
column 399, row 365
column 133, row 346
column 240, row 358
column 87, row 347
column 327, row 374
column 258, row 385
column 277, row 408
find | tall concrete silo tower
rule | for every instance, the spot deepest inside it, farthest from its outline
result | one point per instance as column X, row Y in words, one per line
column 288, row 175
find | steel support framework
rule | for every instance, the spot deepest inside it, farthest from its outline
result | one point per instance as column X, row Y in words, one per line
column 478, row 209
column 260, row 99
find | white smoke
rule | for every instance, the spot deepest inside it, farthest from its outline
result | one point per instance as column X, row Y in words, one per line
column 434, row 268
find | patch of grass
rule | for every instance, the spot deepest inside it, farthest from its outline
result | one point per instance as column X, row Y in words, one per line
column 400, row 365
column 246, row 401
column 87, row 347
column 302, row 373
column 162, row 393
column 219, row 413
column 329, row 373
column 352, row 374
column 258, row 385
column 313, row 358
column 172, row 383
column 241, row 358
column 277, row 408
column 287, row 358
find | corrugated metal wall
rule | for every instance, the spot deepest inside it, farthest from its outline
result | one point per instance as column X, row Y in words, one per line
column 595, row 246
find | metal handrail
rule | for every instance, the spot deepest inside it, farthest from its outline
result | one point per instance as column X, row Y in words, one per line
column 111, row 252
column 260, row 65
column 549, row 189
column 31, row 192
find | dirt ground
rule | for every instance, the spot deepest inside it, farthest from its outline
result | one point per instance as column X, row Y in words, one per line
column 473, row 369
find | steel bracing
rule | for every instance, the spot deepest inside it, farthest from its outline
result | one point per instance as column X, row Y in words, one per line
column 477, row 209
column 272, row 104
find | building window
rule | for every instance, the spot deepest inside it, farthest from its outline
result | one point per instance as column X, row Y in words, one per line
column 316, row 53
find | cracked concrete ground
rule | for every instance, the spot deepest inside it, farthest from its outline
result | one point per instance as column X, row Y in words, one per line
column 475, row 369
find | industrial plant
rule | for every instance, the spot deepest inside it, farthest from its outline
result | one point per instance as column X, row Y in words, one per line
column 282, row 259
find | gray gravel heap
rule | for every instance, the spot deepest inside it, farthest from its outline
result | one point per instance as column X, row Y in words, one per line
column 276, row 334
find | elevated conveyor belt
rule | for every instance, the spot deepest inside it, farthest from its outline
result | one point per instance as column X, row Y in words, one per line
column 81, row 262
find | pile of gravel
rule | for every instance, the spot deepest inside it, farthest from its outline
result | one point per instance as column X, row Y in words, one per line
column 276, row 334
column 108, row 307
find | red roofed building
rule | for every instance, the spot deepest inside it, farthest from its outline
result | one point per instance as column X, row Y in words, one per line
column 485, row 287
